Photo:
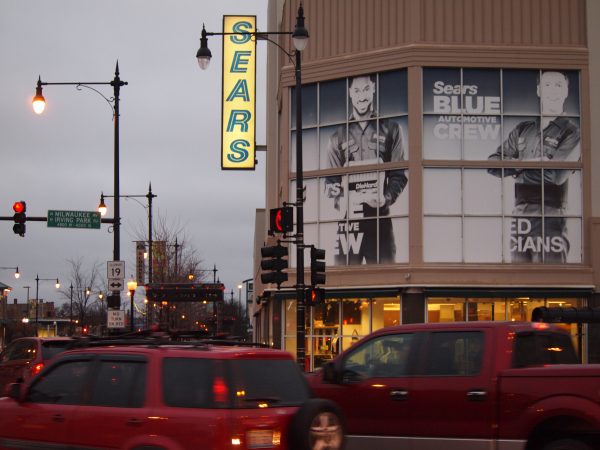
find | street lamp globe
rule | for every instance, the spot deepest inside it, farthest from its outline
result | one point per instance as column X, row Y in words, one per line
column 300, row 33
column 131, row 285
column 102, row 206
column 57, row 284
column 204, row 54
column 39, row 102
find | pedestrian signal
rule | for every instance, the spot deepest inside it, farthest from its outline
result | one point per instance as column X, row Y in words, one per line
column 282, row 220
column 315, row 296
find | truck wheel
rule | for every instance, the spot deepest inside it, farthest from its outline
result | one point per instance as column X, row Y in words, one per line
column 317, row 425
column 567, row 444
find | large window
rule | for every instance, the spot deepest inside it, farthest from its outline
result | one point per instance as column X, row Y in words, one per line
column 357, row 130
column 502, row 176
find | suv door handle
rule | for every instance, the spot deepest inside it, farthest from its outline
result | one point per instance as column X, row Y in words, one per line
column 477, row 395
column 135, row 422
column 399, row 394
column 58, row 418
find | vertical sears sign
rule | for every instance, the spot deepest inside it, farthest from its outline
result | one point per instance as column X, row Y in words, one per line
column 239, row 93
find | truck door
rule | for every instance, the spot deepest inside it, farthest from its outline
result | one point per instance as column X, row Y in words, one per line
column 452, row 393
column 375, row 381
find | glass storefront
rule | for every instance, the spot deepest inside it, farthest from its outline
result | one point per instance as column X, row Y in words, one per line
column 341, row 321
column 338, row 323
column 454, row 309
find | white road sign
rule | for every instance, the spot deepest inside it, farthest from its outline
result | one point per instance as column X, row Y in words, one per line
column 115, row 284
column 115, row 269
column 115, row 319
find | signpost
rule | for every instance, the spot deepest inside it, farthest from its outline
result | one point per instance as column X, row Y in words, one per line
column 115, row 318
column 74, row 219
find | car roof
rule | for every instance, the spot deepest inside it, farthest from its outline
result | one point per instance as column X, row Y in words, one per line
column 452, row 326
column 184, row 350
column 43, row 339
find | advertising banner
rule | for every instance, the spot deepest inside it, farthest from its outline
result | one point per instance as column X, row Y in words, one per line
column 239, row 93
column 523, row 125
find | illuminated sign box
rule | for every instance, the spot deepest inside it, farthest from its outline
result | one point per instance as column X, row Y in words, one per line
column 239, row 93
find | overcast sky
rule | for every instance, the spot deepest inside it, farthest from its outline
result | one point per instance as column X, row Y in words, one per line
column 170, row 123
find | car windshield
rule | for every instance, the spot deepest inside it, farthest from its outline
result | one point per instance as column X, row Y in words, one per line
column 52, row 348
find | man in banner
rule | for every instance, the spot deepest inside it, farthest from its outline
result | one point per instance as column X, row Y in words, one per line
column 534, row 240
column 367, row 141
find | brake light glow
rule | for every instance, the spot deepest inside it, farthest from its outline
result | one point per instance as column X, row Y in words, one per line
column 220, row 390
column 540, row 325
column 37, row 368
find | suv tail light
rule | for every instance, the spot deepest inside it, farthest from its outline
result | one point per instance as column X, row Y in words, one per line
column 37, row 368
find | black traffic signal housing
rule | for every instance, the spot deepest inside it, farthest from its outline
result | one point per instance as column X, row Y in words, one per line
column 20, row 208
column 281, row 220
column 314, row 296
column 273, row 264
column 317, row 266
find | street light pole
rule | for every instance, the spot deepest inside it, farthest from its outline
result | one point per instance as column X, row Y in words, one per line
column 300, row 39
column 102, row 209
column 71, row 312
column 16, row 269
column 39, row 105
column 37, row 300
column 27, row 299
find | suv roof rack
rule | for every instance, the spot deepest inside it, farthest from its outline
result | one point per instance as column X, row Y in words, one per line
column 156, row 339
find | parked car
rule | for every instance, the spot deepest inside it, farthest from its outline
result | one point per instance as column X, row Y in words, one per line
column 26, row 357
column 475, row 385
column 169, row 395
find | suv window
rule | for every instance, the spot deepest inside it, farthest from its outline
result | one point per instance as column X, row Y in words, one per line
column 213, row 383
column 20, row 350
column 119, row 384
column 537, row 349
column 457, row 353
column 63, row 385
column 188, row 382
column 52, row 348
column 274, row 381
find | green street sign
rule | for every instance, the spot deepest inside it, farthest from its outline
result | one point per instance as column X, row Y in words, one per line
column 74, row 219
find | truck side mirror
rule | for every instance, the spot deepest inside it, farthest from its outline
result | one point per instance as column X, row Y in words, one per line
column 13, row 390
column 330, row 372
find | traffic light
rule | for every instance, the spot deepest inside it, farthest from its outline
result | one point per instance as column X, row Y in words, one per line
column 282, row 220
column 315, row 296
column 317, row 266
column 20, row 208
column 274, row 263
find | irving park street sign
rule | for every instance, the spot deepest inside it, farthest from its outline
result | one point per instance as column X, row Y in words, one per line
column 73, row 219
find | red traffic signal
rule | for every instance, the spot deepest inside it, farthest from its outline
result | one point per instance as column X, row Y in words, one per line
column 19, row 207
column 19, row 217
column 281, row 219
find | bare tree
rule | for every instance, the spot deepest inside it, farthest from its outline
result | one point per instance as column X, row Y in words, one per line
column 83, row 286
column 174, row 257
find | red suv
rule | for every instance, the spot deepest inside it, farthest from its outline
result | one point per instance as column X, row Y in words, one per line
column 26, row 357
column 169, row 396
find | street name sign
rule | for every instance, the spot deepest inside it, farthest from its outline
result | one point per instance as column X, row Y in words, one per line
column 74, row 219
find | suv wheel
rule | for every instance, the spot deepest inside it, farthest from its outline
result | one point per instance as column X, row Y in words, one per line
column 317, row 425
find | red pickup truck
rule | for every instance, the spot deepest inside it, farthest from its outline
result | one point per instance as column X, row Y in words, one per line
column 467, row 386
